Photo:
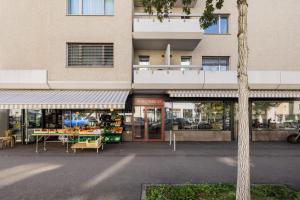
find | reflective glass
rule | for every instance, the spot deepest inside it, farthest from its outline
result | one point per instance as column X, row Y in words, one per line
column 186, row 60
column 74, row 7
column 93, row 7
column 34, row 118
column 224, row 25
column 212, row 29
column 109, row 7
column 275, row 115
column 215, row 63
column 221, row 27
column 198, row 115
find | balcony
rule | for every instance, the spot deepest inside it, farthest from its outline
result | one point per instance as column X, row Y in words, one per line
column 181, row 77
column 193, row 77
column 180, row 31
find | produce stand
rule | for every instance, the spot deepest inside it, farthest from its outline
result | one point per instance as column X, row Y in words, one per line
column 113, row 135
column 113, row 129
column 65, row 134
column 76, row 131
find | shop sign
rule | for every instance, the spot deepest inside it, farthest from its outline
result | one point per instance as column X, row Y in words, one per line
column 148, row 102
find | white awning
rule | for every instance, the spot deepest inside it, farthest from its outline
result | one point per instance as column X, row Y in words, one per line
column 63, row 99
column 234, row 93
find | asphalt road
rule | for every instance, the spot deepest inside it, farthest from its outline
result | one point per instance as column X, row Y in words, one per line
column 121, row 169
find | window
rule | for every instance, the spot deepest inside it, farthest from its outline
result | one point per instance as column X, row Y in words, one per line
column 187, row 113
column 275, row 115
column 202, row 115
column 90, row 55
column 34, row 118
column 185, row 17
column 90, row 7
column 186, row 60
column 215, row 63
column 91, row 118
column 144, row 60
column 53, row 118
column 221, row 27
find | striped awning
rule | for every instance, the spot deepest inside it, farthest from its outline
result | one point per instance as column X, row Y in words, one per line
column 63, row 99
column 234, row 93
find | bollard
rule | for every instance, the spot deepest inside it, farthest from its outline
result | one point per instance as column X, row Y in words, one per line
column 170, row 138
column 174, row 142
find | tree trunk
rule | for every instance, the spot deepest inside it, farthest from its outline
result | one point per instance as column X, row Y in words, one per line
column 243, row 171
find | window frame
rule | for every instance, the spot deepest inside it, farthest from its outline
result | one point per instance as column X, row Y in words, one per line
column 189, row 57
column 140, row 56
column 226, row 114
column 88, row 66
column 81, row 10
column 219, row 66
column 219, row 25
column 273, row 125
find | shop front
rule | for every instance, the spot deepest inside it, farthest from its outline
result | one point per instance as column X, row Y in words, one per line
column 25, row 123
column 274, row 119
column 210, row 115
column 72, row 116
column 123, row 117
column 191, row 119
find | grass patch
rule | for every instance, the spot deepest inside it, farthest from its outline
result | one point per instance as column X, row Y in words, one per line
column 218, row 192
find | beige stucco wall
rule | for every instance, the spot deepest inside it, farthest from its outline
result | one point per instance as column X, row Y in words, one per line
column 36, row 33
column 274, row 31
column 271, row 135
column 205, row 136
column 34, row 36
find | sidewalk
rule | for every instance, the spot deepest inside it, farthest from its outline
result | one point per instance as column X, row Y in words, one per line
column 121, row 169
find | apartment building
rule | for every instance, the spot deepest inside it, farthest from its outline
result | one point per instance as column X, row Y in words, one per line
column 68, row 62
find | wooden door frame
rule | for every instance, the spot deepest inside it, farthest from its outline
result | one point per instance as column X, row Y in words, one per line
column 146, row 132
column 146, row 107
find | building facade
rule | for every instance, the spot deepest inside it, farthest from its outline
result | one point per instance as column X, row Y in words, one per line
column 66, row 63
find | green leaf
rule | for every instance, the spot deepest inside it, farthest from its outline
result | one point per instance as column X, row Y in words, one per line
column 162, row 8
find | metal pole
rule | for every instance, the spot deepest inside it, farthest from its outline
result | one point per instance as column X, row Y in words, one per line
column 170, row 137
column 67, row 144
column 37, row 144
column 45, row 149
column 174, row 141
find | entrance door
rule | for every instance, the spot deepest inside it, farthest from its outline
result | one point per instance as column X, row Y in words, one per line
column 148, row 124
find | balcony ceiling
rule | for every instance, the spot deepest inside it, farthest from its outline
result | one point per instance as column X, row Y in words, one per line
column 159, row 41
column 177, row 4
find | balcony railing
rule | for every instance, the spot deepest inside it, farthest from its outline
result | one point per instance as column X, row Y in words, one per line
column 194, row 77
column 167, row 67
column 180, row 77
column 178, row 3
column 173, row 23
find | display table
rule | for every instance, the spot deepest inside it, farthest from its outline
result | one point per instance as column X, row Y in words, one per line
column 96, row 144
column 113, row 135
column 64, row 133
